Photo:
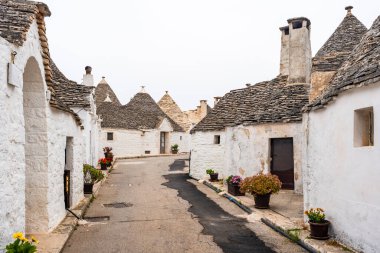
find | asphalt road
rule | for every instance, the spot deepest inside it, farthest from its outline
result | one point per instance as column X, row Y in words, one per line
column 151, row 205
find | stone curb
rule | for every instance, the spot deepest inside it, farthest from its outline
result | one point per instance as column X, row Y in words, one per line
column 56, row 240
column 284, row 226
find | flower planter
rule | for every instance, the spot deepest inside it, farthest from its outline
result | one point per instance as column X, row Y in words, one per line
column 234, row 189
column 319, row 231
column 214, row 177
column 174, row 151
column 262, row 201
column 87, row 188
column 103, row 166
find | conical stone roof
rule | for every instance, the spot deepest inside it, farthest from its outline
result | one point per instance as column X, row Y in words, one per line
column 142, row 112
column 340, row 44
column 170, row 107
column 361, row 68
column 102, row 90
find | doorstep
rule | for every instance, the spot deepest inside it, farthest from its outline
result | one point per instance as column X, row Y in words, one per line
column 54, row 241
column 284, row 216
column 148, row 156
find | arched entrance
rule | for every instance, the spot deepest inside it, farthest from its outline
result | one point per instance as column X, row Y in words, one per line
column 36, row 150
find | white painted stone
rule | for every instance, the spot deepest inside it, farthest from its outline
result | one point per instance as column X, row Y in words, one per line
column 341, row 178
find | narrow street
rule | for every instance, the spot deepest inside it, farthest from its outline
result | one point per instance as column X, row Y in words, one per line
column 151, row 205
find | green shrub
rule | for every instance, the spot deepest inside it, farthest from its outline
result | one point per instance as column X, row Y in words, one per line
column 261, row 184
column 210, row 171
column 91, row 174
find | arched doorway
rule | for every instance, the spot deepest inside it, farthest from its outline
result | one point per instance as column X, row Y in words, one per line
column 36, row 150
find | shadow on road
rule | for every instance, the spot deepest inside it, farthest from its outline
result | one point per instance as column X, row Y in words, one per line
column 178, row 165
column 229, row 232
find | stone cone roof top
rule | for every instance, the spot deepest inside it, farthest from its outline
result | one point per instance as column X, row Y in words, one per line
column 142, row 112
column 170, row 107
column 361, row 68
column 102, row 90
column 340, row 44
column 267, row 102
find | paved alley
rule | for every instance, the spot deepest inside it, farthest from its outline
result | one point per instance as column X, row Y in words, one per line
column 151, row 205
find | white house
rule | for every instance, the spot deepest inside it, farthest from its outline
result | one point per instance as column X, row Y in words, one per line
column 341, row 165
column 259, row 127
column 41, row 137
column 138, row 128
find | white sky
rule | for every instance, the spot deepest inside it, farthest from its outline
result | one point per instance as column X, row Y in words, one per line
column 196, row 49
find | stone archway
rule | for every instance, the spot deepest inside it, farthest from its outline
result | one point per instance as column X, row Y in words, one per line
column 36, row 149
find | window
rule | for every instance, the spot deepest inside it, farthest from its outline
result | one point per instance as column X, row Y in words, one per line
column 363, row 127
column 297, row 24
column 216, row 139
column 286, row 31
column 109, row 136
column 180, row 138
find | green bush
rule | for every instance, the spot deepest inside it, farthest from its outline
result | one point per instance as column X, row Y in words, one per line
column 91, row 174
column 261, row 184
column 175, row 147
column 210, row 171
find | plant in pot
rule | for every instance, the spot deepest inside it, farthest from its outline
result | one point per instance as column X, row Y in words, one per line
column 109, row 161
column 175, row 149
column 103, row 163
column 233, row 183
column 261, row 186
column 107, row 151
column 213, row 175
column 319, row 226
column 91, row 176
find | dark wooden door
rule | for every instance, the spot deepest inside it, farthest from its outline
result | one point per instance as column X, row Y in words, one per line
column 66, row 185
column 282, row 163
column 162, row 143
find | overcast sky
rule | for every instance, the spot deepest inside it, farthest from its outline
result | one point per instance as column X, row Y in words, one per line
column 195, row 49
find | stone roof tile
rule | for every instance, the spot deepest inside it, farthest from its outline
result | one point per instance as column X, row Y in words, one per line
column 361, row 68
column 170, row 107
column 340, row 44
column 267, row 102
column 102, row 90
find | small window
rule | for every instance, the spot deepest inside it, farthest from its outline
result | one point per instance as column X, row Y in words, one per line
column 109, row 136
column 147, row 152
column 180, row 138
column 363, row 127
column 297, row 24
column 216, row 139
column 286, row 31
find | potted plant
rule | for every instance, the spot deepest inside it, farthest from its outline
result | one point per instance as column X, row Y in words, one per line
column 319, row 226
column 213, row 175
column 91, row 176
column 175, row 148
column 103, row 163
column 22, row 244
column 261, row 186
column 233, row 183
column 107, row 152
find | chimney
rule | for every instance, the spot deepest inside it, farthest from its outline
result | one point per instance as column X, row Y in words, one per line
column 88, row 78
column 348, row 9
column 216, row 100
column 284, row 58
column 299, row 51
column 203, row 108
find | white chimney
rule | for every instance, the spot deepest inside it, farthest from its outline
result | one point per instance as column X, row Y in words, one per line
column 88, row 78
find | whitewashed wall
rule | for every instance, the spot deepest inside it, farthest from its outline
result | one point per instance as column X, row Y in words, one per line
column 341, row 178
column 182, row 139
column 49, row 174
column 248, row 149
column 136, row 142
column 207, row 155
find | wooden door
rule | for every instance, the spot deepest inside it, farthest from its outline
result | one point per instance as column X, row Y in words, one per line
column 162, row 143
column 66, row 185
column 282, row 162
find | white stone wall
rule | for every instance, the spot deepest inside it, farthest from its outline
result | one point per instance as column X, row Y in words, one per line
column 182, row 139
column 248, row 149
column 341, row 178
column 48, row 176
column 207, row 155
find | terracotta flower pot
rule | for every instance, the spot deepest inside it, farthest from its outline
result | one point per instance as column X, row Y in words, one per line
column 174, row 151
column 234, row 189
column 319, row 231
column 262, row 201
column 87, row 188
column 103, row 166
column 214, row 177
